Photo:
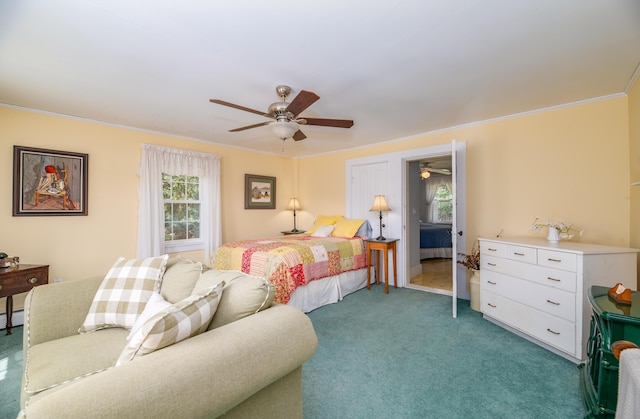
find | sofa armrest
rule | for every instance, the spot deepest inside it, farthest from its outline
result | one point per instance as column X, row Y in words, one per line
column 204, row 376
column 53, row 311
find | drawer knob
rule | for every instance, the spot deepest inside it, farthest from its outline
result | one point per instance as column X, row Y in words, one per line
column 491, row 282
column 491, row 249
column 553, row 279
column 554, row 260
column 518, row 254
column 491, row 305
column 553, row 331
column 491, row 264
column 33, row 280
column 553, row 302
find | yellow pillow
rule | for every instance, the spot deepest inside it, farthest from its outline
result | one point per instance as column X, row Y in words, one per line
column 346, row 228
column 323, row 220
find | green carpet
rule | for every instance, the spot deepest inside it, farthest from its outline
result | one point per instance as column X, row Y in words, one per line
column 402, row 355
column 10, row 372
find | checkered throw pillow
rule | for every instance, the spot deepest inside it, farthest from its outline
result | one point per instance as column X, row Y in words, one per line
column 124, row 292
column 173, row 324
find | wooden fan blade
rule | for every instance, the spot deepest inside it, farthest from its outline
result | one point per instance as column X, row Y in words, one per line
column 325, row 122
column 301, row 102
column 242, row 108
column 250, row 126
column 299, row 135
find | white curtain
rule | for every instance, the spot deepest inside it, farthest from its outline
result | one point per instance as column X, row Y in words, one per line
column 157, row 160
column 432, row 186
column 433, row 183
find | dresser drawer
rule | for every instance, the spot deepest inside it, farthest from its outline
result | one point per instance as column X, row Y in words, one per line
column 556, row 278
column 493, row 249
column 558, row 260
column 522, row 254
column 554, row 301
column 542, row 326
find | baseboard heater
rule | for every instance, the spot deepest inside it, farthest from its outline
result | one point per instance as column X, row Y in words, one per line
column 17, row 319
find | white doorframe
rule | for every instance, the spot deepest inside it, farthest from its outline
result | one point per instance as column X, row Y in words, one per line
column 395, row 185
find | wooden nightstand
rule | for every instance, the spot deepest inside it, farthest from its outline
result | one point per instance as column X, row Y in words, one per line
column 18, row 280
column 384, row 246
column 291, row 233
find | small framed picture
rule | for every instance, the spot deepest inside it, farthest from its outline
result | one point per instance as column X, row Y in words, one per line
column 259, row 192
column 49, row 182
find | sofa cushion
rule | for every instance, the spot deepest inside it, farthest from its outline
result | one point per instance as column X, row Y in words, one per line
column 178, row 322
column 179, row 278
column 243, row 295
column 154, row 306
column 124, row 292
column 58, row 361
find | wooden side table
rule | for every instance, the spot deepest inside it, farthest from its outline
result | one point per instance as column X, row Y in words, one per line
column 18, row 280
column 384, row 246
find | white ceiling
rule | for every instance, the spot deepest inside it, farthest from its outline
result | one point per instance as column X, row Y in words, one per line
column 397, row 68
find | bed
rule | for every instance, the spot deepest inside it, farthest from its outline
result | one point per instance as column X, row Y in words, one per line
column 435, row 241
column 307, row 271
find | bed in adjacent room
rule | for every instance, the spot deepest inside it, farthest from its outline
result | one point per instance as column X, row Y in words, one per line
column 307, row 270
column 435, row 241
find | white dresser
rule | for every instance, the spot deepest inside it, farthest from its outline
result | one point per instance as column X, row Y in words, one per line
column 539, row 289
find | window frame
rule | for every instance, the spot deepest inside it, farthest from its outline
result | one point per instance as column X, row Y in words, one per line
column 184, row 245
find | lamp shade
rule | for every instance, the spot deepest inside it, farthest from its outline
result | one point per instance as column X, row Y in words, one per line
column 294, row 204
column 380, row 204
column 284, row 129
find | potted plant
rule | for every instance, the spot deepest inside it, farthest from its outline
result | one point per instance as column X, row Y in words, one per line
column 472, row 262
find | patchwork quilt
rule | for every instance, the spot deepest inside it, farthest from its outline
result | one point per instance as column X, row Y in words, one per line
column 292, row 261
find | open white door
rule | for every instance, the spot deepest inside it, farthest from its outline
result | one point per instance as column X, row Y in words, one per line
column 454, row 230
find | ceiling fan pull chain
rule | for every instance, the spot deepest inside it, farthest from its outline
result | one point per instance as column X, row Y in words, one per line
column 282, row 148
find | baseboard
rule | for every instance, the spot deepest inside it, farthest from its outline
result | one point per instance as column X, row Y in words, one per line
column 415, row 271
column 17, row 319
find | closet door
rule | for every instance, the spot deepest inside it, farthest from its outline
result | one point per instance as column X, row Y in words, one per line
column 367, row 181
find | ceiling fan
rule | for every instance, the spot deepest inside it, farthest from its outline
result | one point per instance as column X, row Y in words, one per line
column 426, row 170
column 286, row 123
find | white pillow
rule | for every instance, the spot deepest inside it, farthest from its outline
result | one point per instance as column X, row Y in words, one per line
column 124, row 292
column 154, row 306
column 323, row 231
column 175, row 323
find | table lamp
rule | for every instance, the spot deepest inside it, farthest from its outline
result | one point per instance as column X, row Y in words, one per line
column 380, row 204
column 294, row 205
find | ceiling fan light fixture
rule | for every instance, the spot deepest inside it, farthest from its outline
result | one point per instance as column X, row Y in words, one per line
column 424, row 174
column 284, row 129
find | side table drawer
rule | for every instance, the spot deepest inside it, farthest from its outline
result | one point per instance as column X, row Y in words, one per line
column 23, row 280
column 522, row 254
column 493, row 249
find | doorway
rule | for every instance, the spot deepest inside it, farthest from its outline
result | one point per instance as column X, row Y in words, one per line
column 430, row 198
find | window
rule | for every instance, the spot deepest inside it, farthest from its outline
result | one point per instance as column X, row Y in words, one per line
column 181, row 197
column 444, row 204
column 179, row 207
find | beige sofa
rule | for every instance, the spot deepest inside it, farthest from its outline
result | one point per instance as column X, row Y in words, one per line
column 251, row 367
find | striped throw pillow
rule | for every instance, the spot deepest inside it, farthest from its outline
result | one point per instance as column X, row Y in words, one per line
column 173, row 324
column 124, row 292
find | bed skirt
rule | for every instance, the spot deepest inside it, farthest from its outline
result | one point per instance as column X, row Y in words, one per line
column 327, row 290
column 440, row 252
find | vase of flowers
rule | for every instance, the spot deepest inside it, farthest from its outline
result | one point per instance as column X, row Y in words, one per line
column 472, row 262
column 556, row 231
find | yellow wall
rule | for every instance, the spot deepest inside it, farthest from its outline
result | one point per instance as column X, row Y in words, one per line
column 634, row 161
column 570, row 164
column 76, row 247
